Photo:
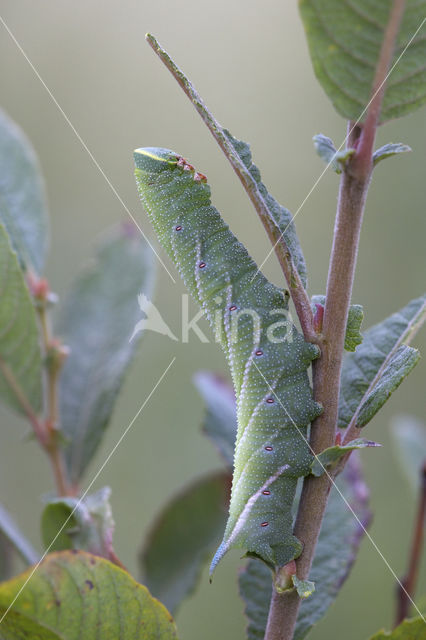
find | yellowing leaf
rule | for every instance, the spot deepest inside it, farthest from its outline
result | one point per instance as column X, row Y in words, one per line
column 78, row 595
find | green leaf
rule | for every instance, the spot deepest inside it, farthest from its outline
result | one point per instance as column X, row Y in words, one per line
column 11, row 532
column 87, row 524
column 326, row 150
column 389, row 150
column 74, row 593
column 344, row 41
column 17, row 626
column 353, row 337
column 338, row 544
column 364, row 369
column 97, row 322
column 413, row 629
column 304, row 588
column 183, row 538
column 397, row 368
column 327, row 458
column 23, row 208
column 280, row 216
column 220, row 421
column 20, row 355
column 409, row 444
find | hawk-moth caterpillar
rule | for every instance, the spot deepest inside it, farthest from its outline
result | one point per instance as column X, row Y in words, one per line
column 274, row 398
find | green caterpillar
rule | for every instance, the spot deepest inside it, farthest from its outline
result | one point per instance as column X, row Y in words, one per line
column 268, row 358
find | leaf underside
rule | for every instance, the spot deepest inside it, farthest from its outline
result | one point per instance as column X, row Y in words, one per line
column 183, row 538
column 329, row 457
column 220, row 421
column 280, row 216
column 97, row 322
column 20, row 355
column 22, row 199
column 381, row 358
column 344, row 41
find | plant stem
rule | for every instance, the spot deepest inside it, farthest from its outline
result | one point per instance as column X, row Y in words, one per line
column 326, row 370
column 59, row 473
column 297, row 291
column 409, row 581
column 54, row 356
column 24, row 403
column 326, row 382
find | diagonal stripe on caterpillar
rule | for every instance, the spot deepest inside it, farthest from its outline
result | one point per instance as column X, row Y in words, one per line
column 270, row 453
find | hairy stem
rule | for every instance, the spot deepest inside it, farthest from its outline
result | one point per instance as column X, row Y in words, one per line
column 297, row 291
column 326, row 370
column 406, row 592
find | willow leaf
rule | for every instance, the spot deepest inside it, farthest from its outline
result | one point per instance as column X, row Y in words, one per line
column 389, row 150
column 23, row 208
column 344, row 41
column 183, row 538
column 364, row 369
column 353, row 337
column 327, row 458
column 20, row 355
column 77, row 594
column 326, row 150
column 18, row 626
column 97, row 322
column 397, row 368
column 280, row 216
column 274, row 398
column 220, row 421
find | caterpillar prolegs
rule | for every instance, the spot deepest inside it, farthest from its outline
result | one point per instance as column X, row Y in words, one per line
column 268, row 358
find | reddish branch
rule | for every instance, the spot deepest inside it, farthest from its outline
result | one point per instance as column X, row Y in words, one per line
column 326, row 371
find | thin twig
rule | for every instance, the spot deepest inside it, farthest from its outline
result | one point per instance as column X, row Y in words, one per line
column 408, row 583
column 54, row 359
column 297, row 291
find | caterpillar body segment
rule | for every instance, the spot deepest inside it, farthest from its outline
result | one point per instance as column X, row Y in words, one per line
column 267, row 356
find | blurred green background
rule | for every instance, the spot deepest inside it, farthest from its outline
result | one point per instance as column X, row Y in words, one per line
column 250, row 62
